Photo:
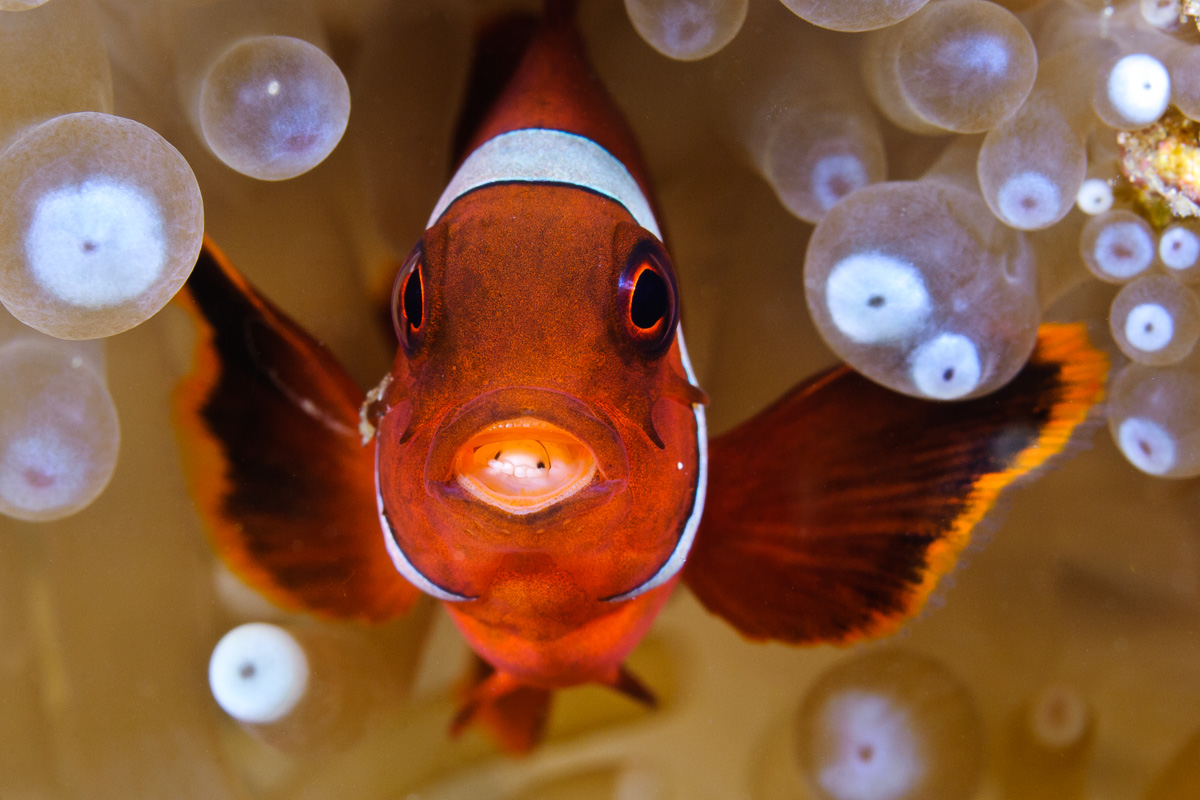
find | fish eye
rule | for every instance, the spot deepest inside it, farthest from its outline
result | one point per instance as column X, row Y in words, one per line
column 408, row 302
column 647, row 302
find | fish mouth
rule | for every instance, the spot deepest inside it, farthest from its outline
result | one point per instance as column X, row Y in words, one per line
column 524, row 465
column 524, row 450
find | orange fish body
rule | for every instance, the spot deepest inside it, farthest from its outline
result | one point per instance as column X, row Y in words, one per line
column 537, row 456
column 547, row 334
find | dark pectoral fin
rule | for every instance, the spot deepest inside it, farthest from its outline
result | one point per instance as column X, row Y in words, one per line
column 831, row 515
column 268, row 422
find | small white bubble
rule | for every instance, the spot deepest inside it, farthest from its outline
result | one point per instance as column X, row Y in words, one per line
column 1095, row 196
column 1147, row 445
column 946, row 367
column 258, row 673
column 1123, row 249
column 1029, row 200
column 1179, row 248
column 1139, row 88
column 873, row 297
column 1149, row 327
column 41, row 470
column 1161, row 13
column 877, row 752
column 835, row 176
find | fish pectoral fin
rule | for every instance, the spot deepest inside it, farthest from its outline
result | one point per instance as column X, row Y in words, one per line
column 513, row 713
column 832, row 515
column 632, row 687
column 268, row 424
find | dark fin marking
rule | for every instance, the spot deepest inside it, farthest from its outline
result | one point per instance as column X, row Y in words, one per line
column 500, row 46
column 513, row 713
column 832, row 514
column 632, row 687
column 268, row 423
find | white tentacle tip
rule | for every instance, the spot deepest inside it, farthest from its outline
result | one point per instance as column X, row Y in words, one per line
column 258, row 673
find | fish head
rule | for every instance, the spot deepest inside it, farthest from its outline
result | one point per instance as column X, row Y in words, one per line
column 539, row 402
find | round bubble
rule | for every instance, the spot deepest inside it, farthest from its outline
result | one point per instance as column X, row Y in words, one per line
column 946, row 367
column 902, row 276
column 1133, row 92
column 1149, row 327
column 965, row 65
column 1059, row 717
column 1179, row 250
column 1156, row 320
column 58, row 430
column 273, row 107
column 258, row 673
column 889, row 725
column 1154, row 417
column 815, row 157
column 1117, row 245
column 861, row 15
column 1095, row 196
column 1031, row 165
column 687, row 30
column 101, row 226
column 1161, row 13
column 1029, row 200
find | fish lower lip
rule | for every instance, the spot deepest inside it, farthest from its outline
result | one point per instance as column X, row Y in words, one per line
column 523, row 465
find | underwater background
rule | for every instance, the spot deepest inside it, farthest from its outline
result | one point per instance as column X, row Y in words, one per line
column 1061, row 659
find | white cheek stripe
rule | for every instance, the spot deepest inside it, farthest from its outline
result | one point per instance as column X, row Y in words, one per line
column 403, row 565
column 541, row 155
column 684, row 546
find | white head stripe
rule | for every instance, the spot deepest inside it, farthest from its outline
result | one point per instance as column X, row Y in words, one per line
column 679, row 555
column 399, row 559
column 540, row 155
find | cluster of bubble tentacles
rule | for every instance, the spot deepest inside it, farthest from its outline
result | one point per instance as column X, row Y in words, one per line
column 934, row 287
column 102, row 218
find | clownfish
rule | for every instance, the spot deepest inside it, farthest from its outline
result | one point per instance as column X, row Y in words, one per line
column 537, row 458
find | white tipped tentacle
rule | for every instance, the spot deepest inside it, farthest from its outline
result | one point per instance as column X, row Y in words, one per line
column 1095, row 196
column 1147, row 445
column 1139, row 88
column 1149, row 327
column 874, row 297
column 946, row 367
column 258, row 673
column 1029, row 200
column 96, row 243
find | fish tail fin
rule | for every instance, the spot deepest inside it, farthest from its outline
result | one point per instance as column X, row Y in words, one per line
column 832, row 515
column 513, row 713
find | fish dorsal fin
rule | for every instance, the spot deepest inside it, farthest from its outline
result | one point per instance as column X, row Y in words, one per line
column 555, row 87
column 268, row 423
column 832, row 514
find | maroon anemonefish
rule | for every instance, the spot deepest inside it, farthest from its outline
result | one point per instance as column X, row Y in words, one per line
column 537, row 457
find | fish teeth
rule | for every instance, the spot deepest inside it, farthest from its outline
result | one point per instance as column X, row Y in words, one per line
column 516, row 470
